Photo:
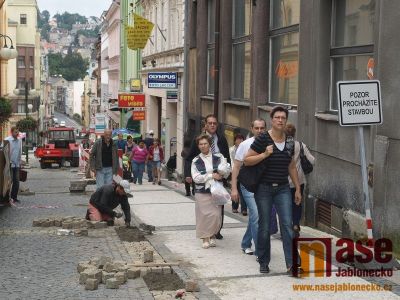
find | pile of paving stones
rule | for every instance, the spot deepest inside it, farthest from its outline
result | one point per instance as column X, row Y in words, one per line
column 112, row 273
column 70, row 225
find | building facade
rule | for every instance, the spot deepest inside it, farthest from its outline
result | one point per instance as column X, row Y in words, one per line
column 164, row 53
column 273, row 54
column 25, row 70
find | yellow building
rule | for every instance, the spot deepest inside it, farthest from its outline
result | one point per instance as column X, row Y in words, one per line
column 25, row 70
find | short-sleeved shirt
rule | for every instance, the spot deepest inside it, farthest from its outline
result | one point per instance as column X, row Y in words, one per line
column 277, row 170
column 121, row 144
column 243, row 148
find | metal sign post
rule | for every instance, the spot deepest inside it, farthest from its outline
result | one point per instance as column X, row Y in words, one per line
column 360, row 105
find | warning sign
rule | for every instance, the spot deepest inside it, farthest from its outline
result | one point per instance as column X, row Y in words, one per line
column 359, row 103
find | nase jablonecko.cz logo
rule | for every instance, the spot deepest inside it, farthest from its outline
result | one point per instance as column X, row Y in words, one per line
column 348, row 252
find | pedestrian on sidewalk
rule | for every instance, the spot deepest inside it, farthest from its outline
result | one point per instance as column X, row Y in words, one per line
column 104, row 160
column 121, row 143
column 15, row 163
column 148, row 141
column 207, row 167
column 139, row 159
column 297, row 208
column 218, row 145
column 237, row 140
column 257, row 127
column 106, row 198
column 276, row 150
column 156, row 157
column 130, row 144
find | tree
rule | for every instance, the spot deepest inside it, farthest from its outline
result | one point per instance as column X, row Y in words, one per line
column 27, row 124
column 66, row 20
column 72, row 67
column 5, row 110
column 55, row 63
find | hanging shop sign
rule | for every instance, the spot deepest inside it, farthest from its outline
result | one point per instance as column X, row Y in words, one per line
column 138, row 35
column 131, row 100
column 162, row 80
column 172, row 96
column 138, row 115
column 136, row 85
column 100, row 123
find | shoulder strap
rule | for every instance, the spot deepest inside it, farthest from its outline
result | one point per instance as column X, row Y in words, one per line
column 301, row 149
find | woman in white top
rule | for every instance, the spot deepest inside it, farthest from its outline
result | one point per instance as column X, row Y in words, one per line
column 297, row 209
column 207, row 167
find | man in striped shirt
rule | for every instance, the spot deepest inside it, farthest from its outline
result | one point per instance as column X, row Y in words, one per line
column 275, row 149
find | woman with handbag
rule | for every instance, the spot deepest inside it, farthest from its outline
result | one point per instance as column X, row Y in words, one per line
column 299, row 151
column 207, row 167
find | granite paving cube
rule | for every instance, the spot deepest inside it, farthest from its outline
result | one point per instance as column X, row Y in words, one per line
column 103, row 260
column 112, row 283
column 36, row 223
column 133, row 273
column 82, row 266
column 120, row 277
column 109, row 267
column 91, row 284
column 106, row 275
column 147, row 256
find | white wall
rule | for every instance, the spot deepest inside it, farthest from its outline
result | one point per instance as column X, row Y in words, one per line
column 78, row 89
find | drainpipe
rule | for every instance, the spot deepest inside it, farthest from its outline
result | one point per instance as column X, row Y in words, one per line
column 216, row 58
column 186, row 68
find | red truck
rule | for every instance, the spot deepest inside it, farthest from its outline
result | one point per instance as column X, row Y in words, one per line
column 61, row 146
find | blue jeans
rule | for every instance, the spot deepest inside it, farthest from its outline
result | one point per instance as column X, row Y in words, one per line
column 252, row 225
column 138, row 169
column 281, row 198
column 104, row 176
column 149, row 168
column 15, row 183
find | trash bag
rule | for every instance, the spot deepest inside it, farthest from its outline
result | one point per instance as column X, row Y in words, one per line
column 219, row 194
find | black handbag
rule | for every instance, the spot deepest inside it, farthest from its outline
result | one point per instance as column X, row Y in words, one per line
column 305, row 163
column 249, row 176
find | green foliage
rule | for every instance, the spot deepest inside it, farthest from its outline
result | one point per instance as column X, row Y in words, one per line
column 43, row 18
column 88, row 33
column 45, row 32
column 5, row 110
column 55, row 63
column 66, row 20
column 27, row 124
column 72, row 67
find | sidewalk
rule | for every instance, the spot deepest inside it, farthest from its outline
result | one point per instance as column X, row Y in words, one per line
column 225, row 271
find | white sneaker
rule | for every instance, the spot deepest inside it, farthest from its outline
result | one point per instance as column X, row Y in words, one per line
column 213, row 243
column 248, row 251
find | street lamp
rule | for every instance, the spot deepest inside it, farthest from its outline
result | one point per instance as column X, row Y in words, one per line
column 5, row 52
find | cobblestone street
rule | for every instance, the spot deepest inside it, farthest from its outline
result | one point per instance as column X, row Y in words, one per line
column 38, row 264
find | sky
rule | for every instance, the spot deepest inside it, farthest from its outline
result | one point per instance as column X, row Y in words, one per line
column 86, row 8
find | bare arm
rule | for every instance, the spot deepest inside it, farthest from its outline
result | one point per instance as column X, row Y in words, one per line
column 252, row 157
column 295, row 179
column 235, row 172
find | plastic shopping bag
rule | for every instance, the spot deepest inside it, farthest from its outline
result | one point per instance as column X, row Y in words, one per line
column 219, row 194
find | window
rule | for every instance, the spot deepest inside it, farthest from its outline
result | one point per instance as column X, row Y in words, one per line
column 31, row 62
column 22, row 19
column 210, row 46
column 352, row 43
column 284, row 52
column 21, row 107
column 21, row 62
column 241, row 49
column 21, row 83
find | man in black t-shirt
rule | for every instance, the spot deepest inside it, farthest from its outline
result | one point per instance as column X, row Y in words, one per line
column 276, row 150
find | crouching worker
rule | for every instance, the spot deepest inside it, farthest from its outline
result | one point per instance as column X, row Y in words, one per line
column 107, row 198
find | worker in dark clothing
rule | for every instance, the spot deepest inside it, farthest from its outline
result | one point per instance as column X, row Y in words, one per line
column 219, row 144
column 107, row 198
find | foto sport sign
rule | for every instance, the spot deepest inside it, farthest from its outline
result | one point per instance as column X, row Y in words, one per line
column 359, row 103
column 166, row 80
column 131, row 100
